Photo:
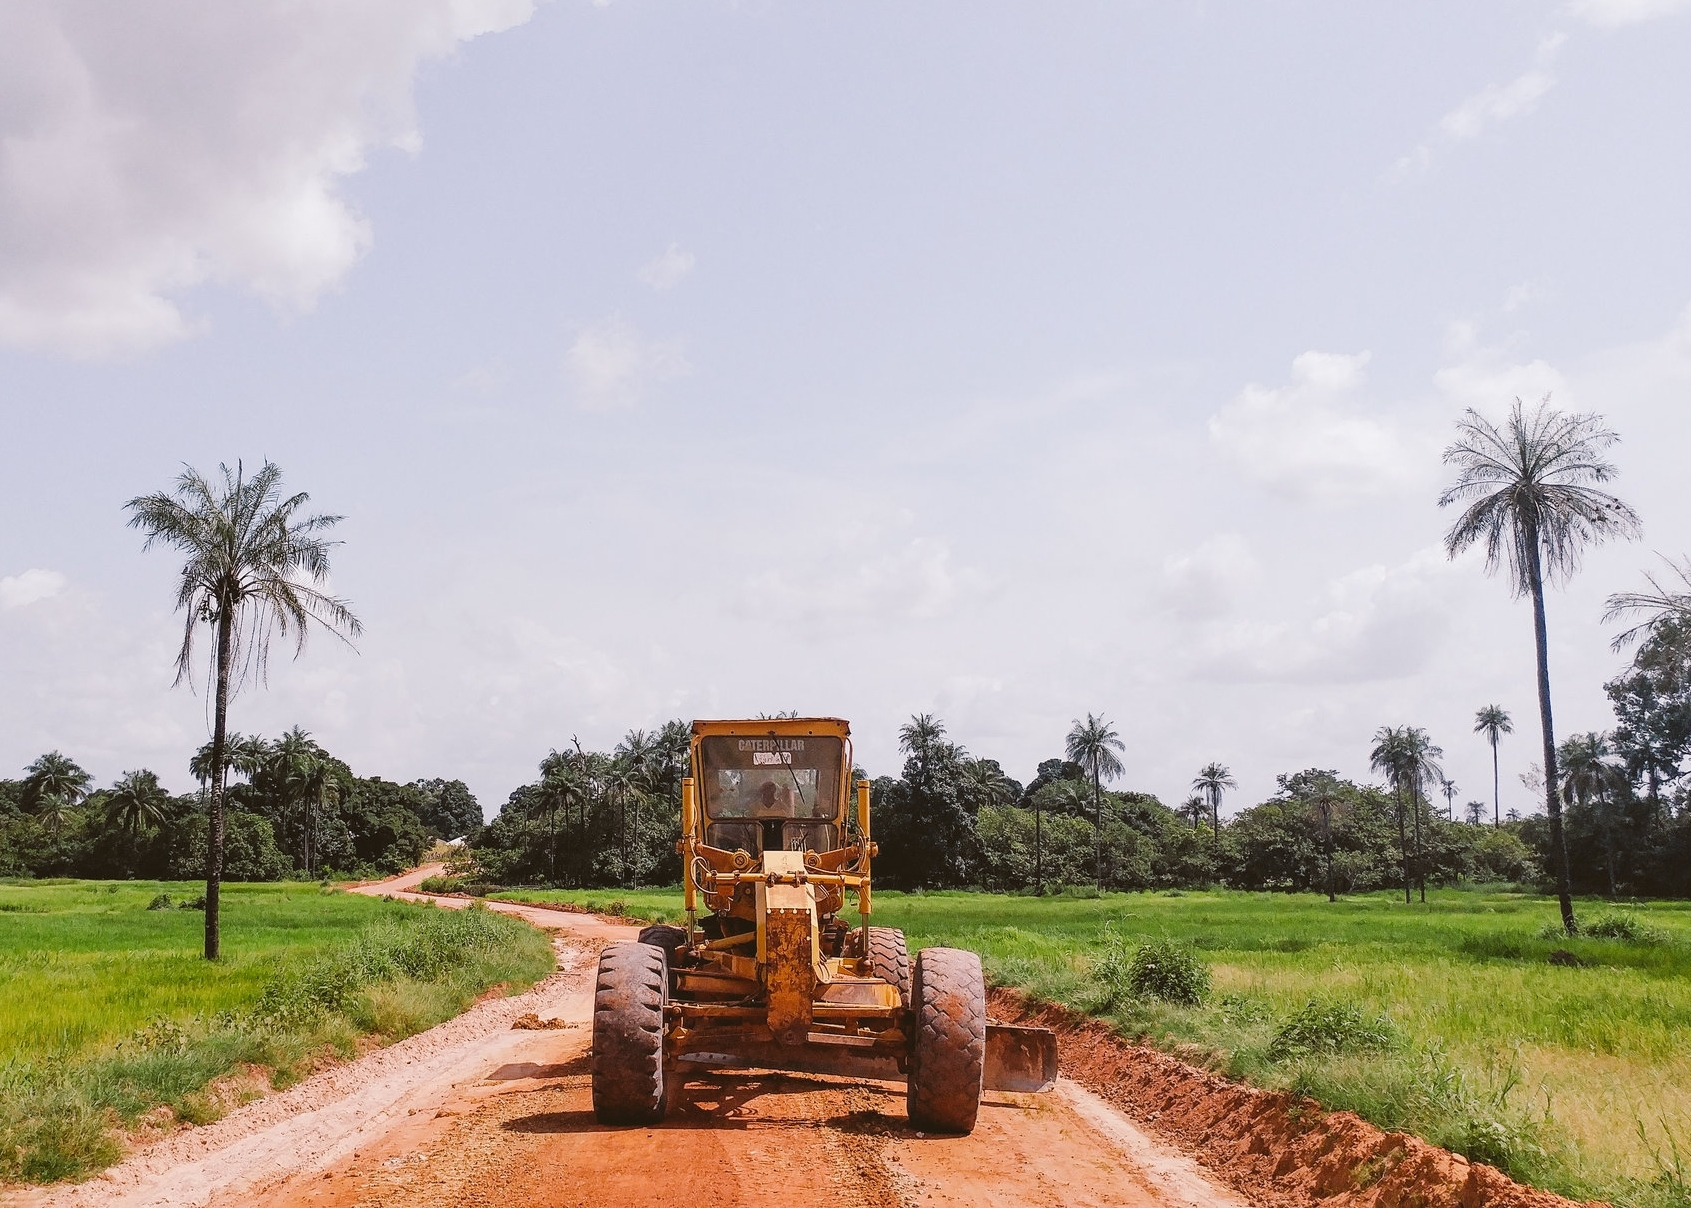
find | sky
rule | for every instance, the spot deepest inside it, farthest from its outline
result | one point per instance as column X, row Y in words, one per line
column 1000, row 361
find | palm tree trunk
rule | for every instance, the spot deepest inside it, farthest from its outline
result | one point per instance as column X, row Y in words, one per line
column 1553, row 804
column 1098, row 828
column 1420, row 863
column 1403, row 843
column 1496, row 816
column 214, row 823
column 1038, row 854
column 1609, row 842
column 1330, row 895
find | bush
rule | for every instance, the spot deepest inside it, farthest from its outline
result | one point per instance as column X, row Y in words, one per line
column 1626, row 927
column 159, row 902
column 1169, row 971
column 1334, row 1027
column 1159, row 970
column 458, row 884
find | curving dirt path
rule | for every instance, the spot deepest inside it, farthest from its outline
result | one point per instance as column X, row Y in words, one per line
column 474, row 1113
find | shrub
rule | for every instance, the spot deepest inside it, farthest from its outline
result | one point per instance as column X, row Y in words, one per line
column 159, row 902
column 1169, row 971
column 1334, row 1027
column 1625, row 926
column 1159, row 970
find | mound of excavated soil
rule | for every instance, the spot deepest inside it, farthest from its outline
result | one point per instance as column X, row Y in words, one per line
column 1271, row 1146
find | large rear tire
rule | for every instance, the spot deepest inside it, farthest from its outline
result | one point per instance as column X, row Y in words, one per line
column 667, row 936
column 948, row 1052
column 628, row 1074
column 889, row 960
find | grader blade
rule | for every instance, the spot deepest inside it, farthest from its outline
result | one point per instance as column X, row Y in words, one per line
column 1020, row 1058
column 841, row 1060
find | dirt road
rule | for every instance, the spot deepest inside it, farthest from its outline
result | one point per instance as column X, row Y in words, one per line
column 474, row 1113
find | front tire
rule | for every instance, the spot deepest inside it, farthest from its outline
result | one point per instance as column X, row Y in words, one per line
column 890, row 961
column 628, row 1003
column 948, row 1052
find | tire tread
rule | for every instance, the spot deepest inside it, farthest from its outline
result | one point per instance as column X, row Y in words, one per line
column 628, row 1003
column 948, row 1052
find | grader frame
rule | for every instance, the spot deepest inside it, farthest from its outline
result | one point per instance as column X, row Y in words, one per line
column 771, row 976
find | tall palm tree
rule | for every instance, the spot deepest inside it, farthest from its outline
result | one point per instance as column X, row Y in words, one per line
column 1211, row 783
column 920, row 738
column 1095, row 746
column 136, row 801
column 306, row 776
column 53, row 786
column 560, row 789
column 1527, row 487
column 237, row 757
column 254, row 566
column 1494, row 722
column 1326, row 802
column 1408, row 758
column 1590, row 774
column 1420, row 758
column 1386, row 758
column 1447, row 786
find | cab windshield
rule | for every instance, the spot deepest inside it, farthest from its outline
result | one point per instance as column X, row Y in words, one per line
column 771, row 777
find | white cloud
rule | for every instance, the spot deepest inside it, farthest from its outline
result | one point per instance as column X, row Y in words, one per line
column 668, row 269
column 1309, row 438
column 858, row 560
column 1491, row 106
column 610, row 365
column 1486, row 380
column 1500, row 102
column 32, row 585
column 484, row 379
column 1375, row 623
column 153, row 148
column 1208, row 581
column 909, row 579
column 1525, row 294
column 1610, row 13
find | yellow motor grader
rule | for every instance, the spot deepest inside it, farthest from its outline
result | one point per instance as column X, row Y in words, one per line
column 768, row 974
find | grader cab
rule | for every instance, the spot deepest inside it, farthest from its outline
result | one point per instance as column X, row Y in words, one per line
column 768, row 972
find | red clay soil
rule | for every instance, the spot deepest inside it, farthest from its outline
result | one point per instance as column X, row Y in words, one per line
column 1274, row 1148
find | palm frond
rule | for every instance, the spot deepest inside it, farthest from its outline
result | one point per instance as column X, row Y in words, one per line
column 1662, row 603
column 248, row 555
column 1527, row 486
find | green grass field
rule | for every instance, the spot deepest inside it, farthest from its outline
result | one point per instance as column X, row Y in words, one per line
column 1573, row 1078
column 107, row 1011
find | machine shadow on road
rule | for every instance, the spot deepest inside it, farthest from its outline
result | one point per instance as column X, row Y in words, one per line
column 740, row 1101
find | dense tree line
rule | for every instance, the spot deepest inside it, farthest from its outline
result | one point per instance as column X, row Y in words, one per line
column 951, row 819
column 593, row 818
column 293, row 810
